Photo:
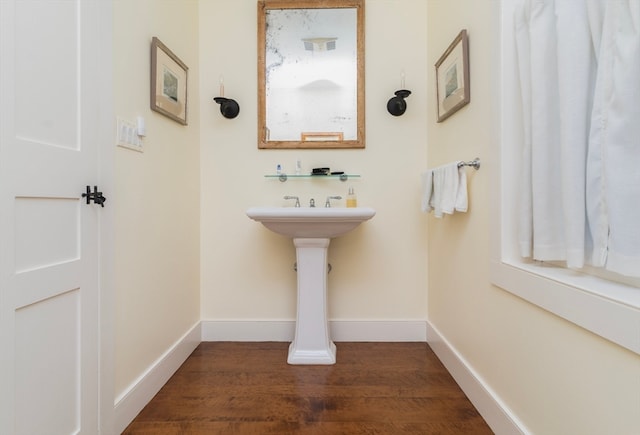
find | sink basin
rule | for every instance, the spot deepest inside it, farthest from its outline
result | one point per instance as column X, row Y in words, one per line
column 311, row 229
column 311, row 222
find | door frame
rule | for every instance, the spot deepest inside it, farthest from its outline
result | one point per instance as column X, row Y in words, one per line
column 107, row 149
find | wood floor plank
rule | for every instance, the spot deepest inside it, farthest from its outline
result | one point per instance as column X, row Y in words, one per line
column 248, row 388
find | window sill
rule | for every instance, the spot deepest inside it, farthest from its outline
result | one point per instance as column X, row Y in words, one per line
column 606, row 308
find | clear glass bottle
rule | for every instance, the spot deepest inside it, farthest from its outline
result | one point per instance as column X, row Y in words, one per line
column 352, row 200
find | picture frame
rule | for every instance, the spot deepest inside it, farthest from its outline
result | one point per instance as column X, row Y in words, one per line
column 452, row 77
column 168, row 83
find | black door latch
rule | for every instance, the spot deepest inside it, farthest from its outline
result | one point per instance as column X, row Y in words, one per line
column 94, row 196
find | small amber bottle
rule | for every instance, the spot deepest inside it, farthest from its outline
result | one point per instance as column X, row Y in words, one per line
column 352, row 201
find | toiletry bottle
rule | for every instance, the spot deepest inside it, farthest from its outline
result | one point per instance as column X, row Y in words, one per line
column 279, row 169
column 352, row 201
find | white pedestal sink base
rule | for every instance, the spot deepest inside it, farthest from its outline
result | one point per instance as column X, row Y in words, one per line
column 311, row 344
column 311, row 229
column 312, row 357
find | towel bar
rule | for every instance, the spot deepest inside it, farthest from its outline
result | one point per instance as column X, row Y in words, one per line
column 475, row 164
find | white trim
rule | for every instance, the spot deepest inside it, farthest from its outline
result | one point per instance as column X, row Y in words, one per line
column 605, row 308
column 248, row 330
column 497, row 415
column 128, row 404
column 340, row 330
column 378, row 330
column 106, row 370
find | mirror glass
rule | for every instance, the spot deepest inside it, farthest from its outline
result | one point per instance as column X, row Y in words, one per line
column 311, row 74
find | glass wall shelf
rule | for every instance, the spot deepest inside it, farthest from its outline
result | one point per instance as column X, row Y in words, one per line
column 284, row 177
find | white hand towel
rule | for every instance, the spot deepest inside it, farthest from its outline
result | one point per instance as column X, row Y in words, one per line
column 462, row 202
column 438, row 188
column 427, row 191
column 447, row 187
column 444, row 190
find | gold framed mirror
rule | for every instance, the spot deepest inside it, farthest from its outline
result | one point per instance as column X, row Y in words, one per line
column 311, row 74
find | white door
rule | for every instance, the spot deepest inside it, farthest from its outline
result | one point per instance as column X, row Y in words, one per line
column 50, row 64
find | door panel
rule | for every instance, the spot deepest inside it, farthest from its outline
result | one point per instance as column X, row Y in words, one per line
column 46, row 232
column 47, row 336
column 49, row 250
column 47, row 71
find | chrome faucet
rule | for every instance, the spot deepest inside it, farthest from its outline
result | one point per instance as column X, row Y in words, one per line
column 294, row 197
column 312, row 202
column 329, row 198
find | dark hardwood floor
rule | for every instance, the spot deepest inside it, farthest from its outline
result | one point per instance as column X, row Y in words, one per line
column 248, row 388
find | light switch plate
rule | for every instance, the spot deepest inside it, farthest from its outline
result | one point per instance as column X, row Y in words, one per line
column 127, row 135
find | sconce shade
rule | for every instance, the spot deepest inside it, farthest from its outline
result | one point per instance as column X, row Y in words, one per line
column 396, row 105
column 228, row 107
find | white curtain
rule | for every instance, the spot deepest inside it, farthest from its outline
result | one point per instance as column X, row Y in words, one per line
column 579, row 71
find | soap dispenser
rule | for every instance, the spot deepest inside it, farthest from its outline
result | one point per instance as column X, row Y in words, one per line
column 352, row 201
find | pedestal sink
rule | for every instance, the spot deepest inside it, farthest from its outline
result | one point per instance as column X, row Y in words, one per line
column 311, row 230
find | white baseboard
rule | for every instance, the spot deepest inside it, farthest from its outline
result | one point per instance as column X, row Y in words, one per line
column 248, row 330
column 128, row 404
column 493, row 410
column 378, row 330
column 340, row 330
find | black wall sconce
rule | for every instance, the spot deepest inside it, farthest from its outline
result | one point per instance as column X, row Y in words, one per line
column 228, row 107
column 396, row 105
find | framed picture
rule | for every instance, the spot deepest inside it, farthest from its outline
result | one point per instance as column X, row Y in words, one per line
column 452, row 77
column 168, row 83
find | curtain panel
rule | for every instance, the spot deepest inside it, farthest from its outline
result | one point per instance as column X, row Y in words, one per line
column 579, row 74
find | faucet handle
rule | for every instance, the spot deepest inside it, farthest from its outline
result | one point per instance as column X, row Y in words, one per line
column 329, row 198
column 293, row 197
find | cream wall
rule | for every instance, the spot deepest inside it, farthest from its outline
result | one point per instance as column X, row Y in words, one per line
column 555, row 377
column 157, row 192
column 379, row 269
